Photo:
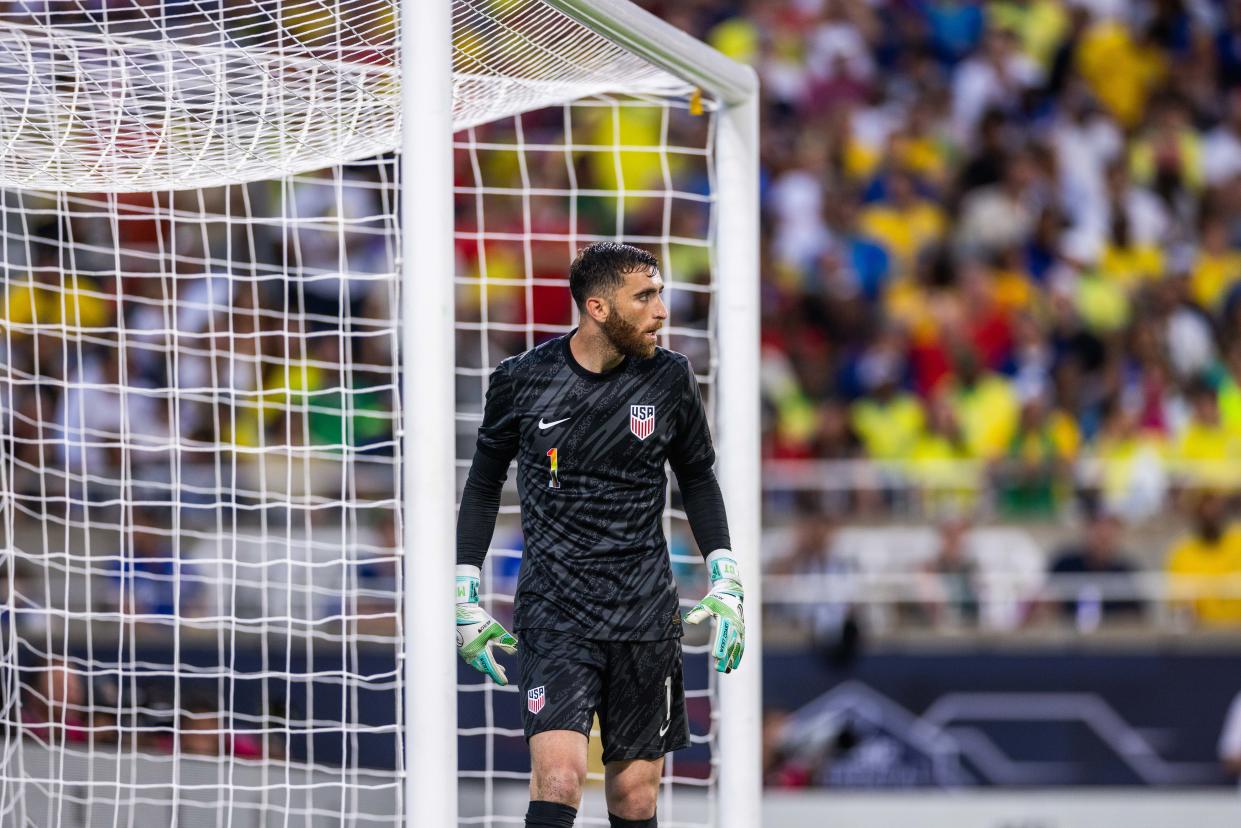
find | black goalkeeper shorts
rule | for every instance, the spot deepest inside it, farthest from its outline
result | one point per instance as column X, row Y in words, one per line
column 636, row 687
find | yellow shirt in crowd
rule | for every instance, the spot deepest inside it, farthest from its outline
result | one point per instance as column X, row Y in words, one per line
column 1040, row 25
column 903, row 233
column 1143, row 166
column 1059, row 438
column 987, row 414
column 1195, row 558
column 1013, row 291
column 1209, row 455
column 1230, row 404
column 284, row 388
column 76, row 303
column 1131, row 266
column 1119, row 71
column 948, row 477
column 888, row 430
column 1121, row 458
column 1102, row 303
column 640, row 165
column 1212, row 276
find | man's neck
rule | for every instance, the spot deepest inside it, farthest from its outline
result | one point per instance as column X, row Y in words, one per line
column 593, row 351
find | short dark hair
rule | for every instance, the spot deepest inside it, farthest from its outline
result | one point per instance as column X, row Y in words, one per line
column 601, row 267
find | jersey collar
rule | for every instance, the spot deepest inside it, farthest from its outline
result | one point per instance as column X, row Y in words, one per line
column 586, row 373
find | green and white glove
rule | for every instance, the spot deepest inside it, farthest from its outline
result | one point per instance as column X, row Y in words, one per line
column 477, row 631
column 723, row 603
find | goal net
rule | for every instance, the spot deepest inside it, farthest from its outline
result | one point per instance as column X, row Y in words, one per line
column 203, row 555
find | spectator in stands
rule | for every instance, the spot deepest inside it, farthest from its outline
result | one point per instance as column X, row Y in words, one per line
column 948, row 586
column 1132, row 477
column 1205, row 567
column 887, row 420
column 1208, row 452
column 54, row 705
column 1122, row 67
column 205, row 733
column 347, row 412
column 1221, row 150
column 1230, row 389
column 941, row 463
column 830, row 622
column 1216, row 267
column 114, row 710
column 148, row 579
column 1003, row 215
column 997, row 75
column 904, row 222
column 985, row 406
column 781, row 768
column 57, row 302
column 1098, row 584
column 1086, row 156
column 1034, row 470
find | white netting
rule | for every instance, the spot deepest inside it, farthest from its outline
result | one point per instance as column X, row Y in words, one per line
column 200, row 527
column 129, row 96
column 199, row 422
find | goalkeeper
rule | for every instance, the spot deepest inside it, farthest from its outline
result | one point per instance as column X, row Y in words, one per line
column 592, row 417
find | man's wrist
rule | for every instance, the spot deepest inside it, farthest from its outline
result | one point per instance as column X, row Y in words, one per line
column 722, row 565
column 468, row 578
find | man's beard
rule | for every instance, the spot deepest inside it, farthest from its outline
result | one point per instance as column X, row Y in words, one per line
column 626, row 337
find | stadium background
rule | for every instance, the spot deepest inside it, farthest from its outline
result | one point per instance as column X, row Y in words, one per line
column 1001, row 379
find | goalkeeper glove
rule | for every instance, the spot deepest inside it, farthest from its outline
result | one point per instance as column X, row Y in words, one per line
column 723, row 603
column 477, row 631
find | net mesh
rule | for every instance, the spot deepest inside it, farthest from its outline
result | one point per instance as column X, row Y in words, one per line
column 200, row 446
column 130, row 96
column 199, row 420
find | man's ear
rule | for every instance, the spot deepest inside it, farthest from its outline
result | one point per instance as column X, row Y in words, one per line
column 598, row 309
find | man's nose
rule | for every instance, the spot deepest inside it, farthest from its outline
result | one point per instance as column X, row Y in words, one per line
column 661, row 309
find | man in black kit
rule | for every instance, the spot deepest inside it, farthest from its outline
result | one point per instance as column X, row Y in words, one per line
column 592, row 417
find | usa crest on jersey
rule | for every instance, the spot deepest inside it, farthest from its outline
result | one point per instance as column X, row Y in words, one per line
column 535, row 699
column 642, row 420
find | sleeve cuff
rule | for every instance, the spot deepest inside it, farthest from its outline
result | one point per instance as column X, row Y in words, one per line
column 722, row 564
column 467, row 580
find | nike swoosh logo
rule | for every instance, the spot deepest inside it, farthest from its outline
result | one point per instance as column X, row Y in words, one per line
column 543, row 426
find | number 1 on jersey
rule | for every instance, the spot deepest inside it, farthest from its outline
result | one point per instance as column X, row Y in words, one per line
column 554, row 481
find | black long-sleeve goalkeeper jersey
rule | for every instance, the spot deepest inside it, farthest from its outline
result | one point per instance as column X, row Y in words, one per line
column 591, row 449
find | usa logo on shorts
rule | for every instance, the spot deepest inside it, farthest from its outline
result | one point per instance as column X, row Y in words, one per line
column 642, row 420
column 535, row 699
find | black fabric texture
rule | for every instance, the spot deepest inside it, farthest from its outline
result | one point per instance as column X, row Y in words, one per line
column 480, row 502
column 617, row 822
column 704, row 506
column 592, row 451
column 543, row 814
column 637, row 688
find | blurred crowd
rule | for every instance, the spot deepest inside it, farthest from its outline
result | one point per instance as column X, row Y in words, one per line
column 143, row 333
column 63, row 703
column 1001, row 265
column 834, row 583
column 1000, row 238
column 999, row 261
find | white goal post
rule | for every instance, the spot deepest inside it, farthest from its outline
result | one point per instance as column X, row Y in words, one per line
column 429, row 331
